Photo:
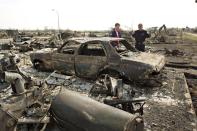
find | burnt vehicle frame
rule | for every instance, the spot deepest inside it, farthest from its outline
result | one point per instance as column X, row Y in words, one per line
column 80, row 56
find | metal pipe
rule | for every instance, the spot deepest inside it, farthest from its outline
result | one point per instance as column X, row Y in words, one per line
column 16, row 80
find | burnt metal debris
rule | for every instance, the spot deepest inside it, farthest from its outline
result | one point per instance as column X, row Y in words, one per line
column 23, row 105
column 106, row 89
column 24, row 42
column 29, row 107
column 83, row 113
column 8, row 61
column 24, row 108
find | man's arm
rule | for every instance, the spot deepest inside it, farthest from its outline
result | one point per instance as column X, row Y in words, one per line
column 134, row 34
column 147, row 35
column 113, row 33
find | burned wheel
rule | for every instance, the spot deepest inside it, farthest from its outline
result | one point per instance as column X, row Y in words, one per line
column 39, row 65
column 110, row 73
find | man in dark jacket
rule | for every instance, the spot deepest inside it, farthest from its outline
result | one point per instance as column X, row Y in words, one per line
column 116, row 33
column 140, row 35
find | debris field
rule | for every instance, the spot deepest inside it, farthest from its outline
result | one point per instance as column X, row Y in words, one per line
column 82, row 83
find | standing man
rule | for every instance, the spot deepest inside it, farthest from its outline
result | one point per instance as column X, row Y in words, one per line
column 140, row 35
column 116, row 33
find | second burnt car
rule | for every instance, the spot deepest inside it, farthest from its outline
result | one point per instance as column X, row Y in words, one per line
column 91, row 57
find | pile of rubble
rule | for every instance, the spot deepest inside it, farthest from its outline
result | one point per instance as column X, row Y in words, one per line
column 107, row 90
column 24, row 42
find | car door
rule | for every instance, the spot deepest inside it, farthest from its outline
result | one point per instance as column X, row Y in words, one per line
column 63, row 59
column 90, row 59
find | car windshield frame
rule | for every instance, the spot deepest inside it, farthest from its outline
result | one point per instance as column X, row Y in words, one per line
column 125, row 44
column 77, row 44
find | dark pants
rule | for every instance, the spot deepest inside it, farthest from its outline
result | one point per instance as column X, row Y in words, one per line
column 140, row 46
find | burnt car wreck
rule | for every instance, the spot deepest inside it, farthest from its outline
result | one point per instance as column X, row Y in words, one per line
column 91, row 57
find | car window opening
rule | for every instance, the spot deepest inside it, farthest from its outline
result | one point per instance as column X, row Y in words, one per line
column 69, row 48
column 92, row 49
column 68, row 51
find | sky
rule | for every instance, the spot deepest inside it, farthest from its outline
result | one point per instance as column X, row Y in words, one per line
column 96, row 14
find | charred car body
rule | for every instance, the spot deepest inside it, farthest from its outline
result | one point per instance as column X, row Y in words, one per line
column 90, row 57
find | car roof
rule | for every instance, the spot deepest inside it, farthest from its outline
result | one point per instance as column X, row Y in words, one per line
column 89, row 39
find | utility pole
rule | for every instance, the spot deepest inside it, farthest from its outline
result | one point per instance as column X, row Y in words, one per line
column 58, row 21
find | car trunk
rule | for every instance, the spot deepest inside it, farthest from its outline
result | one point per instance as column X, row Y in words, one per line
column 154, row 60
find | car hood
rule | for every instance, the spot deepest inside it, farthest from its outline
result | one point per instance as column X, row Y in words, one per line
column 156, row 61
